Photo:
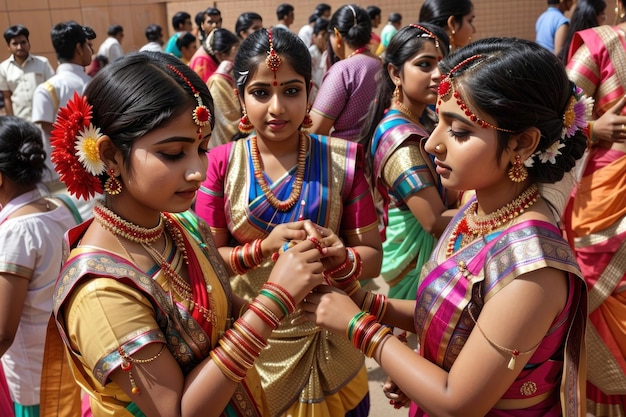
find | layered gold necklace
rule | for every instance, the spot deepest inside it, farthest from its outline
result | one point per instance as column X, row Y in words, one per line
column 402, row 108
column 472, row 226
column 118, row 226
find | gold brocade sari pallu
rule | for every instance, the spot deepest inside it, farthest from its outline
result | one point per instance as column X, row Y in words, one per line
column 184, row 337
column 303, row 363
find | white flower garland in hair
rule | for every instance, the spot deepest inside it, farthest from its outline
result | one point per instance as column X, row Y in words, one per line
column 575, row 118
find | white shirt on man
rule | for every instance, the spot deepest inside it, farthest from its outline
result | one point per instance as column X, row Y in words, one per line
column 111, row 48
column 22, row 80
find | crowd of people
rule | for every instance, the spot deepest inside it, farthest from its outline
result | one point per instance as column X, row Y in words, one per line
column 188, row 229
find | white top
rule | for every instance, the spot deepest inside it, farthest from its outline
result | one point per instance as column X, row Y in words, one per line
column 21, row 81
column 318, row 69
column 152, row 46
column 306, row 34
column 111, row 48
column 31, row 246
column 69, row 78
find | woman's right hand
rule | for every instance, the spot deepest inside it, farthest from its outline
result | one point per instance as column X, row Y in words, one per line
column 281, row 234
column 299, row 270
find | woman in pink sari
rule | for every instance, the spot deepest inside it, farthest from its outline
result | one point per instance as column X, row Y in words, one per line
column 596, row 216
column 501, row 305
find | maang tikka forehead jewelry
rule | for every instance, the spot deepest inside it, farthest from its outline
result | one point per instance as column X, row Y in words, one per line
column 273, row 60
column 446, row 86
column 427, row 34
column 201, row 114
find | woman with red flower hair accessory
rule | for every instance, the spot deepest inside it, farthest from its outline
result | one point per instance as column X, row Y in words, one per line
column 143, row 303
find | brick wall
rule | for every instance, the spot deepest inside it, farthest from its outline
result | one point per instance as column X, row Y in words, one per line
column 493, row 17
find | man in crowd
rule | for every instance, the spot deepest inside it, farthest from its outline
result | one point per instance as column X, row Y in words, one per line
column 21, row 73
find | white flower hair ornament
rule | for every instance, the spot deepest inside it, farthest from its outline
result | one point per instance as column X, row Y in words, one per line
column 575, row 118
column 87, row 151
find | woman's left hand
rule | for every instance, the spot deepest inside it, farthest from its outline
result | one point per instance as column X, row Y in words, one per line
column 330, row 308
column 334, row 251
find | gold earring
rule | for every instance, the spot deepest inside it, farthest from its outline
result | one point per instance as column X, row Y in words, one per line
column 518, row 172
column 112, row 186
column 397, row 93
column 245, row 126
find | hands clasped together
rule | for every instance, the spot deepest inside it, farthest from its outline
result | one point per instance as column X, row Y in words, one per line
column 308, row 256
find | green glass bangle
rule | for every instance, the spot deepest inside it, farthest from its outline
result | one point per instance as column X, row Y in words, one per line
column 353, row 322
column 275, row 299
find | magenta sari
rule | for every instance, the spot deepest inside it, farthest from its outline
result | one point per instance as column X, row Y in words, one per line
column 445, row 295
column 6, row 405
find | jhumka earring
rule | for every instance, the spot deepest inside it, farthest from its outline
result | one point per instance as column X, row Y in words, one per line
column 518, row 172
column 451, row 45
column 397, row 93
column 245, row 126
column 112, row 186
column 307, row 123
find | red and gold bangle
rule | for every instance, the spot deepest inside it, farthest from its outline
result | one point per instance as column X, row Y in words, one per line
column 380, row 335
column 248, row 332
column 352, row 258
column 358, row 325
column 240, row 340
column 227, row 367
column 235, row 262
column 368, row 334
column 257, row 252
column 283, row 293
column 378, row 306
column 247, row 258
column 345, row 264
column 237, row 354
column 264, row 313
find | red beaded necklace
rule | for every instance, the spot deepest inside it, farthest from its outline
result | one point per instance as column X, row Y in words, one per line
column 282, row 205
column 471, row 226
column 359, row 51
column 118, row 226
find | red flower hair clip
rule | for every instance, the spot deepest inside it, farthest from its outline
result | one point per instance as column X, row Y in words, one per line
column 74, row 151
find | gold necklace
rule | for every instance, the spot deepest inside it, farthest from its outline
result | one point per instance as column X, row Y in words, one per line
column 402, row 108
column 175, row 281
column 180, row 286
column 482, row 225
column 471, row 226
column 112, row 222
column 282, row 205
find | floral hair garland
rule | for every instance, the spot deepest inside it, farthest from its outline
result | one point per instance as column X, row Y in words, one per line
column 575, row 118
column 74, row 150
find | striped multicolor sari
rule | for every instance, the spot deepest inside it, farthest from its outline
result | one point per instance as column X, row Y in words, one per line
column 597, row 220
column 301, row 372
column 400, row 169
column 466, row 280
